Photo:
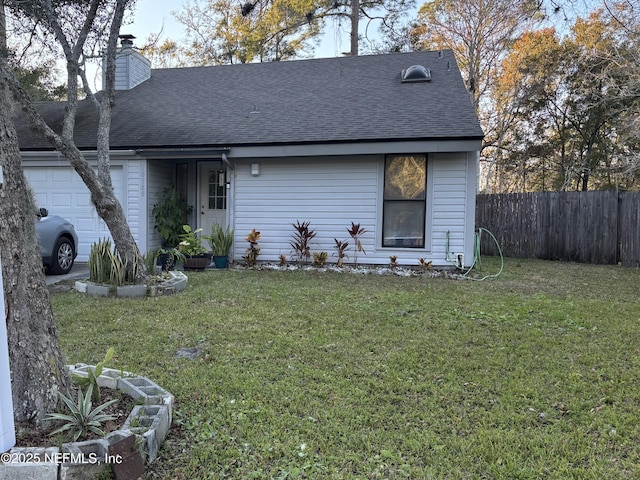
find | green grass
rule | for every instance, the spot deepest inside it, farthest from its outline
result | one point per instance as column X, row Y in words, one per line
column 341, row 376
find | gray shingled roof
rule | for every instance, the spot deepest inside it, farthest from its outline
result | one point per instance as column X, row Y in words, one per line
column 305, row 101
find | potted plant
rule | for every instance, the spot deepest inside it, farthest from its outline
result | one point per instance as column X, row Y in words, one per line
column 220, row 241
column 165, row 258
column 170, row 214
column 196, row 255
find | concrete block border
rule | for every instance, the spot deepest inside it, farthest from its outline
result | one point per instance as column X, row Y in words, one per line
column 176, row 282
column 149, row 422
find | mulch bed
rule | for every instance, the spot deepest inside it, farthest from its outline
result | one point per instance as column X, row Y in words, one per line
column 30, row 435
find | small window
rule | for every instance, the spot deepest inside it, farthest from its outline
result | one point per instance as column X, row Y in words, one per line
column 416, row 73
column 404, row 201
column 217, row 190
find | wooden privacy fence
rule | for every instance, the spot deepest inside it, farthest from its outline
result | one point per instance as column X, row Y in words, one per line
column 590, row 227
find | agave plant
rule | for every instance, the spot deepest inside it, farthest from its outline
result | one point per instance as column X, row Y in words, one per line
column 81, row 420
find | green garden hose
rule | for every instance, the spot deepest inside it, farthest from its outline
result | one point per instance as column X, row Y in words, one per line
column 477, row 257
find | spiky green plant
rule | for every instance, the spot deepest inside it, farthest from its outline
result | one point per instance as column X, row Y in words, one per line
column 100, row 261
column 220, row 239
column 106, row 265
column 93, row 374
column 118, row 273
column 81, row 419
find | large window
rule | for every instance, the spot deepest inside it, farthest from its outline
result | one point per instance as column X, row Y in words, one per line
column 404, row 203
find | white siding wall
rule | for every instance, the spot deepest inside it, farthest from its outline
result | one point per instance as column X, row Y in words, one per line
column 131, row 69
column 449, row 205
column 331, row 192
column 136, row 203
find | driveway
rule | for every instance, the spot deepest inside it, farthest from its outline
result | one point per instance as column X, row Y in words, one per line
column 79, row 270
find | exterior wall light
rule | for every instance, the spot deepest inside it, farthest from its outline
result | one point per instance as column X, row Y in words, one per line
column 255, row 169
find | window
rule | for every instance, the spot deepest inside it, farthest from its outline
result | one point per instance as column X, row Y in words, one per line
column 217, row 190
column 404, row 201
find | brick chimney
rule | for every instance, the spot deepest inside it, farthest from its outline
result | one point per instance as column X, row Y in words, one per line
column 131, row 68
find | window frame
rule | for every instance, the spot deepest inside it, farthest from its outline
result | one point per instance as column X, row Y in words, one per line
column 426, row 202
column 220, row 194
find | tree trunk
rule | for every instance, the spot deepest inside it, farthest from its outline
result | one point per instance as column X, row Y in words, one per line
column 110, row 210
column 37, row 368
column 355, row 22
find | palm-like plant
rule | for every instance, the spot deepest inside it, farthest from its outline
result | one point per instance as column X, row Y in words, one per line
column 356, row 232
column 341, row 248
column 300, row 241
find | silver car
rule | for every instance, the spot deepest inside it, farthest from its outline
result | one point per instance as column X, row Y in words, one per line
column 58, row 242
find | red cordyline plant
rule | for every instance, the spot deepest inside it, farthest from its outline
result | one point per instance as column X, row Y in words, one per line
column 341, row 248
column 301, row 240
column 356, row 232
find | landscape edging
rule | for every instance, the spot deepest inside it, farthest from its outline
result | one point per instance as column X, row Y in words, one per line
column 149, row 421
column 176, row 283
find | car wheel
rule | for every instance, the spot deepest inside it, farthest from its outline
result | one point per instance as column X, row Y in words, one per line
column 62, row 258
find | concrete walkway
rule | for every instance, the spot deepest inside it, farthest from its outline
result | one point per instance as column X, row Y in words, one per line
column 79, row 271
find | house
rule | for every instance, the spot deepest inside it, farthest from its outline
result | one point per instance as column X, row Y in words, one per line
column 387, row 141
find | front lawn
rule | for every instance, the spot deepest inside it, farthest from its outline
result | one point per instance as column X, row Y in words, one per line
column 531, row 375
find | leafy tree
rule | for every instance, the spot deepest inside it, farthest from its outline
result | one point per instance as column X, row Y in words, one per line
column 76, row 26
column 480, row 32
column 530, row 91
column 575, row 101
column 39, row 83
column 227, row 31
column 37, row 368
column 387, row 14
column 233, row 31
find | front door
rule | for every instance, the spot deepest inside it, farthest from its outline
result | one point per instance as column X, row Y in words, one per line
column 213, row 196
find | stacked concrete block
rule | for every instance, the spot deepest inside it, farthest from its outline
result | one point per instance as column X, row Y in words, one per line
column 30, row 463
column 83, row 460
column 146, row 391
column 149, row 422
column 152, row 423
column 176, row 282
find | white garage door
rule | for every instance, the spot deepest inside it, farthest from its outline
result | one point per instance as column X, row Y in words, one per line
column 61, row 191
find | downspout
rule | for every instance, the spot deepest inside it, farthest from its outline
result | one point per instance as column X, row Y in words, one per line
column 227, row 162
column 231, row 195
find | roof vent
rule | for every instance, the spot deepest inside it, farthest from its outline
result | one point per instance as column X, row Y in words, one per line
column 416, row 73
